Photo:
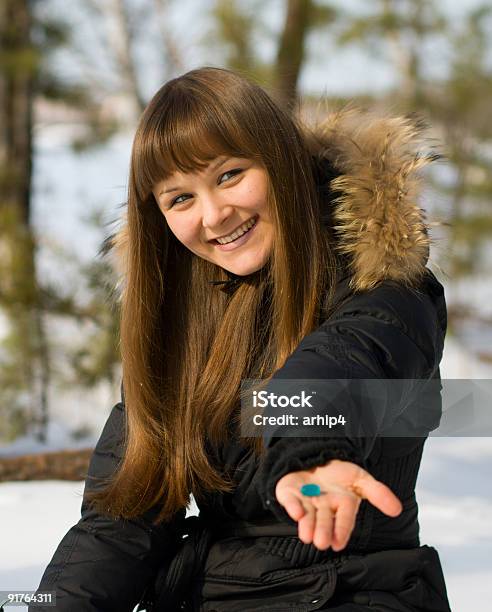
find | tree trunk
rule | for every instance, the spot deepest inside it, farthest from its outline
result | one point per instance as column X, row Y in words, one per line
column 19, row 294
column 16, row 84
column 58, row 465
column 290, row 55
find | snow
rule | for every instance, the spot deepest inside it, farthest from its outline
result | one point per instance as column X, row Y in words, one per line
column 456, row 516
column 58, row 438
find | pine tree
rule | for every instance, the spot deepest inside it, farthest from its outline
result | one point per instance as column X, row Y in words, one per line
column 24, row 373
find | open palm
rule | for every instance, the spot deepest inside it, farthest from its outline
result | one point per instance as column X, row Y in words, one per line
column 328, row 520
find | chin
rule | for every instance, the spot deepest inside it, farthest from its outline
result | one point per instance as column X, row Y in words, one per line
column 243, row 266
column 245, row 270
column 238, row 271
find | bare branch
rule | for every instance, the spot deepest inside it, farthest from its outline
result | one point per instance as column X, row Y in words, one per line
column 121, row 39
column 175, row 63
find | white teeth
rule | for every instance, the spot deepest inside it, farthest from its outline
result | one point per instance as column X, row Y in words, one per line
column 239, row 232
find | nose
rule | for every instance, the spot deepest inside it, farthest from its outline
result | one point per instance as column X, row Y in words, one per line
column 215, row 212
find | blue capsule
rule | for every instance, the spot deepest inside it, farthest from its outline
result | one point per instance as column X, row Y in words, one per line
column 311, row 490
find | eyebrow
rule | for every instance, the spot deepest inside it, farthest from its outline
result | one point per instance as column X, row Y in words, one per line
column 220, row 162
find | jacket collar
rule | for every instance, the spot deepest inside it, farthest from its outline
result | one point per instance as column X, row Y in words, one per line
column 374, row 189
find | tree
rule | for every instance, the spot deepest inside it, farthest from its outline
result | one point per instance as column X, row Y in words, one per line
column 461, row 106
column 238, row 28
column 457, row 105
column 111, row 64
column 24, row 375
column 28, row 38
column 302, row 17
column 400, row 28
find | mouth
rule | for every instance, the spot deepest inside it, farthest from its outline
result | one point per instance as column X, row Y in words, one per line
column 253, row 219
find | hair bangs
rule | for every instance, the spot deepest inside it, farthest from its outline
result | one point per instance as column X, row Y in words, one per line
column 186, row 137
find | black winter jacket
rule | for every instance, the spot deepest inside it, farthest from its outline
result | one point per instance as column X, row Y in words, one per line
column 243, row 553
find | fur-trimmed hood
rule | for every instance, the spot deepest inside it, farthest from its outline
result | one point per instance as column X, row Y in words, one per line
column 378, row 222
column 374, row 186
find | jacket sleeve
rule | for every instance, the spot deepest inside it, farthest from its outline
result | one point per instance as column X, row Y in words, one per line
column 103, row 564
column 390, row 332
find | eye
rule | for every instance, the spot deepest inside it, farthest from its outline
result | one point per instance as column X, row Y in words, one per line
column 232, row 172
column 177, row 200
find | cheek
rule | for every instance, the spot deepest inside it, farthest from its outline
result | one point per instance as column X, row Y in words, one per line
column 262, row 194
column 182, row 230
column 255, row 196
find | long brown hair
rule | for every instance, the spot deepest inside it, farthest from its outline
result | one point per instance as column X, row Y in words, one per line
column 185, row 344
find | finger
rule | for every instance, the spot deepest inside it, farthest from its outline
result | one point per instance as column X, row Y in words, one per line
column 294, row 507
column 323, row 530
column 289, row 497
column 378, row 494
column 344, row 523
column 306, row 523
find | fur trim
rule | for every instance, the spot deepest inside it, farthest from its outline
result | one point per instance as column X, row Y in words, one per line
column 377, row 221
column 115, row 249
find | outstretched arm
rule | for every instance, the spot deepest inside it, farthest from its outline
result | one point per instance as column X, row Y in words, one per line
column 388, row 333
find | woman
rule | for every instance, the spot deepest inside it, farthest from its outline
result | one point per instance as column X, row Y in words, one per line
column 255, row 248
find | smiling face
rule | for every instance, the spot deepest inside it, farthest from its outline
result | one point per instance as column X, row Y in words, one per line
column 221, row 213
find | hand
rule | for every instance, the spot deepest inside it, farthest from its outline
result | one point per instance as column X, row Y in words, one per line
column 328, row 520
